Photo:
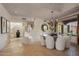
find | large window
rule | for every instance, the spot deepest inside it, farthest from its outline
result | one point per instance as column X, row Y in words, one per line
column 73, row 27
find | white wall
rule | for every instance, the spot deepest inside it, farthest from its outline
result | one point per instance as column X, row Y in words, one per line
column 4, row 37
column 37, row 30
column 3, row 40
column 35, row 33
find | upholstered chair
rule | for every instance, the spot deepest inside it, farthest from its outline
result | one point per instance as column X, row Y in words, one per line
column 60, row 43
column 49, row 42
column 67, row 40
column 42, row 41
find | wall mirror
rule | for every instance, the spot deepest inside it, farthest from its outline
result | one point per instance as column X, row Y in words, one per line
column 44, row 27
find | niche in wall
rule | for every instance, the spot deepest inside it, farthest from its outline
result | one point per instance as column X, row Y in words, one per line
column 29, row 26
column 60, row 27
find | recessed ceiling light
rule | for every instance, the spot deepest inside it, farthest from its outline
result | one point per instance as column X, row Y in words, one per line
column 15, row 12
column 51, row 11
column 24, row 18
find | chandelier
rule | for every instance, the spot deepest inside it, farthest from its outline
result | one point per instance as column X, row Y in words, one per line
column 52, row 22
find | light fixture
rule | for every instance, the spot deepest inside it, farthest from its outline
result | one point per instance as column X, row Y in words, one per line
column 52, row 20
column 51, row 11
column 15, row 12
column 23, row 18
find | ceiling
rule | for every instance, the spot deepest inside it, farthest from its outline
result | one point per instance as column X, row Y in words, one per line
column 41, row 10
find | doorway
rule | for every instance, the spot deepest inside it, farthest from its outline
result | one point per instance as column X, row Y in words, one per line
column 14, row 26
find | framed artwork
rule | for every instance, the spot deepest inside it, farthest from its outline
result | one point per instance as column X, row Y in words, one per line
column 3, row 25
column 0, row 25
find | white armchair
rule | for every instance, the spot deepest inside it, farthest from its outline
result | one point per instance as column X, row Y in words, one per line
column 67, row 40
column 49, row 42
column 43, row 43
column 60, row 43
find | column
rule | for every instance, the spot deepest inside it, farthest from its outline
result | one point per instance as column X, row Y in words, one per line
column 78, row 29
column 62, row 29
column 68, row 28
